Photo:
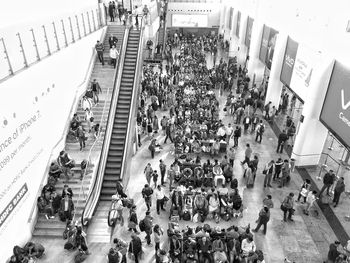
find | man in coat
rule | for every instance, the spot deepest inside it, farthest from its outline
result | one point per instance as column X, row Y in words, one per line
column 264, row 217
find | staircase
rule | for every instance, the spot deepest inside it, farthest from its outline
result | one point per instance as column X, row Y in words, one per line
column 161, row 36
column 98, row 229
column 105, row 75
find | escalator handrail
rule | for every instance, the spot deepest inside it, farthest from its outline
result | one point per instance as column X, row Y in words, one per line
column 94, row 192
column 135, row 87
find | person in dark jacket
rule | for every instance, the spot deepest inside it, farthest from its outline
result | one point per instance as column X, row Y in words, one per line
column 328, row 181
column 147, row 192
column 282, row 138
column 148, row 227
column 112, row 41
column 133, row 222
column 264, row 217
column 338, row 189
column 135, row 247
column 67, row 208
column 204, row 250
column 333, row 252
column 114, row 256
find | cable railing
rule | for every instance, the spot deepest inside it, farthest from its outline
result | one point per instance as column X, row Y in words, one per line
column 41, row 40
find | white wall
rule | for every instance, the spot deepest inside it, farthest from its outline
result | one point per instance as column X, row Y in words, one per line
column 22, row 16
column 320, row 28
column 209, row 9
column 44, row 93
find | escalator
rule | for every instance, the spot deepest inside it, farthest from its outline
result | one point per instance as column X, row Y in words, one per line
column 120, row 125
column 115, row 145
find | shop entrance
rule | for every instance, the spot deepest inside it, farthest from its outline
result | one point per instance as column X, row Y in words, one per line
column 289, row 113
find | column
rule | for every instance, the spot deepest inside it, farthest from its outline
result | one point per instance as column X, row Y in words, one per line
column 311, row 134
column 274, row 88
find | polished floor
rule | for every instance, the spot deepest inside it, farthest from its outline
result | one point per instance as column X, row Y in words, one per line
column 304, row 240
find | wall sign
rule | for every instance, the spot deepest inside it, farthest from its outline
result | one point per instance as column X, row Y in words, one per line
column 335, row 113
column 289, row 61
column 238, row 24
column 267, row 47
column 230, row 18
column 248, row 32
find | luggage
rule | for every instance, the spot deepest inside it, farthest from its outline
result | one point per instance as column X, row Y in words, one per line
column 142, row 225
column 69, row 245
column 80, row 257
column 234, row 183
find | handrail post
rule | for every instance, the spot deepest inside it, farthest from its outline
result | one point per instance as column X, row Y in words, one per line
column 78, row 27
column 88, row 18
column 71, row 29
column 7, row 56
column 25, row 62
column 46, row 40
column 93, row 19
column 84, row 27
column 64, row 33
column 35, row 45
column 55, row 34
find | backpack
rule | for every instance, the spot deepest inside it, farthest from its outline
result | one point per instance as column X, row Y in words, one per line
column 186, row 215
column 261, row 129
column 260, row 255
column 234, row 183
column 142, row 225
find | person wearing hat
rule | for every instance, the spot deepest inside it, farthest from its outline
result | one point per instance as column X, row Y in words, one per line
column 135, row 248
column 67, row 191
column 114, row 256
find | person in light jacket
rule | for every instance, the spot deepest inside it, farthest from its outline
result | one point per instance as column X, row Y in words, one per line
column 113, row 53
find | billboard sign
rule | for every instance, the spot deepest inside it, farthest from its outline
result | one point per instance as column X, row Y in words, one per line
column 289, row 61
column 264, row 43
column 248, row 32
column 238, row 23
column 335, row 114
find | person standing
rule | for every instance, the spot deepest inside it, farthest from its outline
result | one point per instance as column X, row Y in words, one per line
column 162, row 169
column 111, row 9
column 310, row 200
column 278, row 168
column 264, row 217
column 255, row 122
column 133, row 221
column 112, row 40
column 328, row 181
column 99, row 49
column 231, row 154
column 158, row 233
column 171, row 176
column 285, row 173
column 304, row 190
column 338, row 189
column 81, row 137
column 287, row 207
column 122, row 247
column 268, row 171
column 168, row 133
column 282, row 138
column 260, row 131
column 247, row 154
column 160, row 198
column 96, row 89
column 135, row 248
column 148, row 223
column 113, row 53
column 148, row 173
column 147, row 192
column 236, row 134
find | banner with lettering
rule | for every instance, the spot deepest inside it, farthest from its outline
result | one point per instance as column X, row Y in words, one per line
column 288, row 61
column 335, row 113
column 248, row 32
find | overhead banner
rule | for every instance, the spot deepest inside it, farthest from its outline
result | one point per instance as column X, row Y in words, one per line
column 238, row 23
column 179, row 20
column 335, row 113
column 305, row 61
column 289, row 61
column 230, row 18
column 267, row 47
column 248, row 32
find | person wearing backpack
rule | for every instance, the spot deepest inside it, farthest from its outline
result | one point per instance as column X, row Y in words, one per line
column 147, row 192
column 133, row 220
column 260, row 131
column 287, row 207
column 147, row 225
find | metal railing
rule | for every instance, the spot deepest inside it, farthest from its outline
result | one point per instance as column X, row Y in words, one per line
column 42, row 41
column 95, row 190
column 96, row 184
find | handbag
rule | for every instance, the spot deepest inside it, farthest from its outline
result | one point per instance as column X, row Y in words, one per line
column 303, row 192
column 283, row 208
column 264, row 171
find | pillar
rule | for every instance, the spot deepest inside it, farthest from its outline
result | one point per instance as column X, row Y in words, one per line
column 274, row 88
column 255, row 66
column 311, row 133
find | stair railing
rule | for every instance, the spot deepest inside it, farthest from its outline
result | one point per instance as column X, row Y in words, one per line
column 92, row 196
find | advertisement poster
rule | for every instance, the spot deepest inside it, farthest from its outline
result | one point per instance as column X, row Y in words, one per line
column 264, row 44
column 289, row 61
column 248, row 33
column 271, row 47
column 305, row 61
column 230, row 18
column 238, row 23
column 189, row 20
column 335, row 113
